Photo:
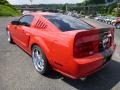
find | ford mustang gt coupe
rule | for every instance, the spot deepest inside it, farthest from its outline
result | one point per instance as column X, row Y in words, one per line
column 68, row 45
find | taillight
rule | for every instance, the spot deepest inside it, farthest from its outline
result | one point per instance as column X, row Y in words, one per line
column 82, row 48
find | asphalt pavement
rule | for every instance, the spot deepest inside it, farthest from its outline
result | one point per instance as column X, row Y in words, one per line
column 18, row 73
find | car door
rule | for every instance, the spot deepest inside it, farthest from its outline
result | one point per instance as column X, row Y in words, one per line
column 22, row 33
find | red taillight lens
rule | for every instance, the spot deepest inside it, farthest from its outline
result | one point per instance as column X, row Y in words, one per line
column 82, row 49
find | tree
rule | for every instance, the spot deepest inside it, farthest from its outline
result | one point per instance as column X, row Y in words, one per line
column 4, row 2
column 64, row 8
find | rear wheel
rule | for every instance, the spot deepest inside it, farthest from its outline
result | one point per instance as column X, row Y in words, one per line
column 108, row 22
column 39, row 59
column 117, row 25
column 9, row 38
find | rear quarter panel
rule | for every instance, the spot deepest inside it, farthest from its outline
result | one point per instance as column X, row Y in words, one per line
column 57, row 46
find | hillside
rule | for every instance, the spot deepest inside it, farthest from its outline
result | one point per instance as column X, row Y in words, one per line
column 7, row 10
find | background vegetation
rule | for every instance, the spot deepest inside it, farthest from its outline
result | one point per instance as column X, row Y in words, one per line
column 108, row 10
column 8, row 10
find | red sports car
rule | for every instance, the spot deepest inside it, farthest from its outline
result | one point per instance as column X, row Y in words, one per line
column 66, row 44
column 116, row 22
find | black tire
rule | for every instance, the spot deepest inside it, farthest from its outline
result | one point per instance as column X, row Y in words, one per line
column 117, row 25
column 36, row 63
column 9, row 37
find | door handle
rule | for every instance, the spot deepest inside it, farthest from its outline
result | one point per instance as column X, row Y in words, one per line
column 27, row 34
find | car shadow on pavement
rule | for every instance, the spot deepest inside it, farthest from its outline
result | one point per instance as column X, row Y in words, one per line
column 53, row 75
column 104, row 79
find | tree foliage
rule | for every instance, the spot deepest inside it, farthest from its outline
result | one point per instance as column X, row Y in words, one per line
column 4, row 2
column 95, row 1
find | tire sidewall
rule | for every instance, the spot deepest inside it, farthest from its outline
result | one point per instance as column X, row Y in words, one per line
column 118, row 24
column 44, row 58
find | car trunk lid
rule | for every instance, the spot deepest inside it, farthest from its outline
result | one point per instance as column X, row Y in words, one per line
column 92, row 41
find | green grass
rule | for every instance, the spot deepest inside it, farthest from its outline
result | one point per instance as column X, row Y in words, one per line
column 8, row 11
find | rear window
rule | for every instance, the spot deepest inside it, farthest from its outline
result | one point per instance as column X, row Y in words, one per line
column 67, row 23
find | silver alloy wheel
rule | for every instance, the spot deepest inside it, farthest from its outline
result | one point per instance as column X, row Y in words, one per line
column 38, row 60
column 118, row 26
column 8, row 36
column 108, row 22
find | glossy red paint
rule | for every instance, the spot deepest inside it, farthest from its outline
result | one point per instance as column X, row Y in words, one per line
column 59, row 46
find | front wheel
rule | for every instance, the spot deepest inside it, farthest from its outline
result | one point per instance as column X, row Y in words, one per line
column 9, row 38
column 39, row 59
column 109, row 22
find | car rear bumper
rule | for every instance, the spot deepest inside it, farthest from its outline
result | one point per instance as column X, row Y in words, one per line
column 87, row 66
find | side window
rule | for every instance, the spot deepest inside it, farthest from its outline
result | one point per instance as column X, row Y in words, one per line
column 26, row 20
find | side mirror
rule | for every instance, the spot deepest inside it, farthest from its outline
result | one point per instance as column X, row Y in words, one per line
column 15, row 22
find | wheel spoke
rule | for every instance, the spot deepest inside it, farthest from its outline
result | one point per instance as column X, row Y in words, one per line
column 118, row 26
column 38, row 60
column 8, row 33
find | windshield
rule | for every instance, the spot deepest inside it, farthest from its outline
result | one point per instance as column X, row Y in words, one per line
column 68, row 23
column 113, row 18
